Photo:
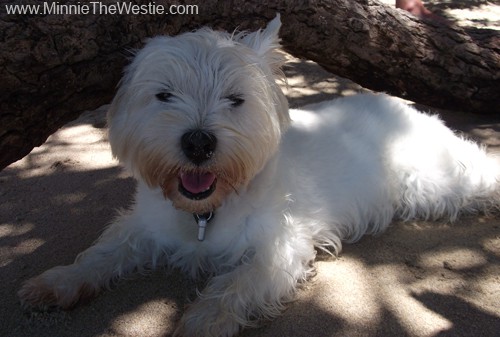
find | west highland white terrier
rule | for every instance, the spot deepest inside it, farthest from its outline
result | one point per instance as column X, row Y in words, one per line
column 234, row 186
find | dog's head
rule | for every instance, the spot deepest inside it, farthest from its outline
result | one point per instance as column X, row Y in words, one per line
column 200, row 114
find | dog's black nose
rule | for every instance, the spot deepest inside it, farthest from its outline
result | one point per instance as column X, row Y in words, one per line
column 198, row 145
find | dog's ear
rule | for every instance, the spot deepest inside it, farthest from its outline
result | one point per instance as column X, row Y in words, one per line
column 266, row 42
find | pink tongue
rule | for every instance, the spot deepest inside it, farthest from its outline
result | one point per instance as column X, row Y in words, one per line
column 197, row 182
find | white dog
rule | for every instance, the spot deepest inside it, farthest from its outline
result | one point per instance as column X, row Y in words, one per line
column 231, row 186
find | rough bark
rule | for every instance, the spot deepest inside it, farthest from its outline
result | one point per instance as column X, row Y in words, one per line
column 54, row 67
column 385, row 49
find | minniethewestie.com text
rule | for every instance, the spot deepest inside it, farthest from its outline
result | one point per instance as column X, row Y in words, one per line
column 99, row 8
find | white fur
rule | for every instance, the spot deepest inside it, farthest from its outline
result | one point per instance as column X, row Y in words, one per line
column 341, row 169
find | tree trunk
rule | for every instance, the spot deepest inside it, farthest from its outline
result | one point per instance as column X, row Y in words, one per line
column 53, row 67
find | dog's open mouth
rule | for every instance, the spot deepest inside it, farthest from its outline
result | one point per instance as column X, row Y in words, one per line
column 197, row 185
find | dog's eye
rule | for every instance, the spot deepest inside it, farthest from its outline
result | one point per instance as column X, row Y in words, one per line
column 236, row 100
column 164, row 96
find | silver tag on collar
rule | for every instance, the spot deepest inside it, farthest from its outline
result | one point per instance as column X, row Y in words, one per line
column 202, row 221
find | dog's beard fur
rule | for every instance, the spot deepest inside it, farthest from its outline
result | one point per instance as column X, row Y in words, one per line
column 227, row 181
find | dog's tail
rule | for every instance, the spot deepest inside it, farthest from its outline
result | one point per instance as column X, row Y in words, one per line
column 442, row 175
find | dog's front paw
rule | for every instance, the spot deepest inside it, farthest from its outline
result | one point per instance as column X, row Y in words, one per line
column 57, row 287
column 207, row 318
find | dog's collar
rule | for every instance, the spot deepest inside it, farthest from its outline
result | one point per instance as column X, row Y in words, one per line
column 202, row 220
